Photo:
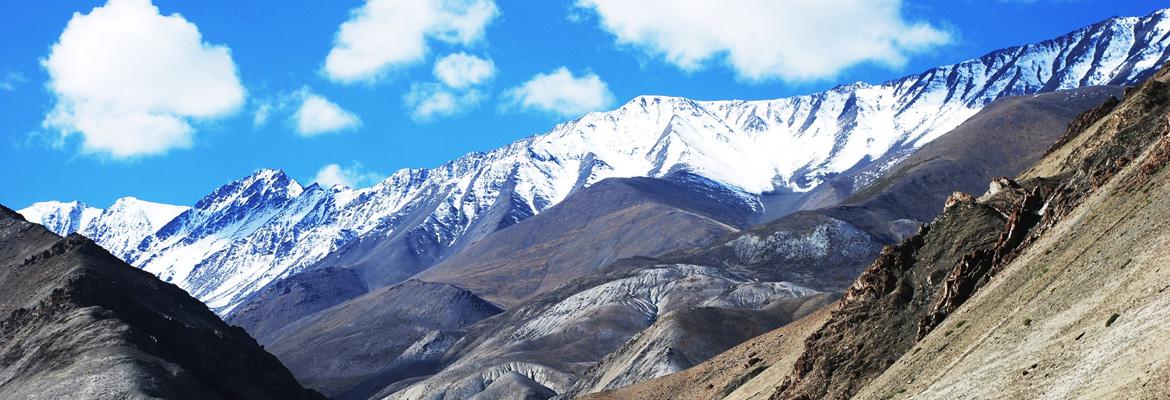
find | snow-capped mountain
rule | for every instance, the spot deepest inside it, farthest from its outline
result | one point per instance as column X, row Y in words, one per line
column 60, row 217
column 267, row 226
column 119, row 229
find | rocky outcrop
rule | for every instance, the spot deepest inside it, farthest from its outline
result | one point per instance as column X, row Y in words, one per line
column 1079, row 311
column 79, row 323
column 900, row 299
column 976, row 267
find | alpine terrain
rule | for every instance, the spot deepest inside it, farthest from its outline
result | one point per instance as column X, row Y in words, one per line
column 986, row 229
column 1045, row 286
column 267, row 226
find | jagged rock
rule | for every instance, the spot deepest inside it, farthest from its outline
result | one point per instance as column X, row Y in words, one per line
column 957, row 198
column 999, row 184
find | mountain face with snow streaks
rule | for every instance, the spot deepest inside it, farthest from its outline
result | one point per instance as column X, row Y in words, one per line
column 267, row 226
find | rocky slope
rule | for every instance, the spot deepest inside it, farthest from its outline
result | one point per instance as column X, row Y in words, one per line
column 552, row 339
column 1075, row 312
column 742, row 372
column 996, row 141
column 266, row 227
column 613, row 219
column 822, row 250
column 344, row 353
column 285, row 301
column 609, row 221
column 79, row 323
column 684, row 338
column 1023, row 292
column 925, row 288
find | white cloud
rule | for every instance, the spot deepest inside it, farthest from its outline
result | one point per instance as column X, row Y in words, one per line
column 317, row 115
column 354, row 176
column 11, row 80
column 383, row 34
column 461, row 70
column 131, row 81
column 793, row 40
column 261, row 113
column 430, row 100
column 559, row 92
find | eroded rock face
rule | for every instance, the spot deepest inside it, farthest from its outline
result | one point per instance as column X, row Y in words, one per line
column 900, row 287
column 978, row 266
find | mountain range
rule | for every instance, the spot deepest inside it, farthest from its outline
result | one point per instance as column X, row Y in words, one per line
column 1046, row 286
column 770, row 153
column 815, row 246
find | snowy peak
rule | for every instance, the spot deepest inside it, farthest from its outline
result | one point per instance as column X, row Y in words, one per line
column 122, row 227
column 118, row 229
column 60, row 217
column 152, row 214
column 245, row 202
column 261, row 186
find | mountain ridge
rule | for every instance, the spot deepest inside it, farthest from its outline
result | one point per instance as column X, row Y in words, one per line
column 418, row 217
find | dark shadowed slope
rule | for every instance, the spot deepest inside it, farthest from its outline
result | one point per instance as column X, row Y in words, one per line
column 387, row 335
column 80, row 323
column 265, row 313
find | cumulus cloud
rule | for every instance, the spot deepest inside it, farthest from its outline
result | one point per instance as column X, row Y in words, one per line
column 131, row 81
column 317, row 115
column 794, row 40
column 384, row 34
column 461, row 70
column 353, row 176
column 430, row 100
column 560, row 93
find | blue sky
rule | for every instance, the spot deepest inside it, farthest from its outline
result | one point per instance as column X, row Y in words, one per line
column 365, row 122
